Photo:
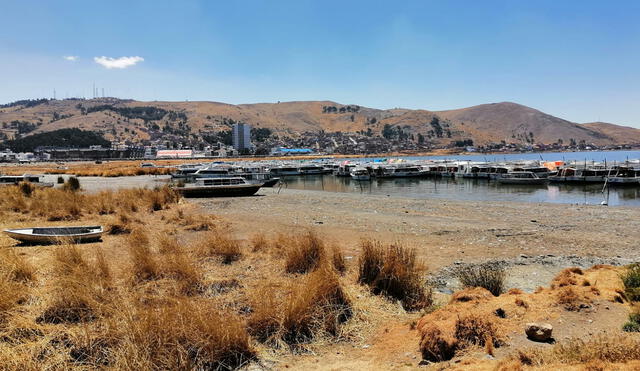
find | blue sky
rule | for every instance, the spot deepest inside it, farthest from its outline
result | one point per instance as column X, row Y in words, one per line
column 579, row 60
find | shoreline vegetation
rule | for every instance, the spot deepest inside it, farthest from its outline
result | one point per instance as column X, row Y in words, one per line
column 172, row 286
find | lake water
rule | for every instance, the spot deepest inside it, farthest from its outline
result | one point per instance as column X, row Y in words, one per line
column 483, row 189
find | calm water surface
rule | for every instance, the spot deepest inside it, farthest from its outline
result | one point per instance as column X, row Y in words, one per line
column 483, row 189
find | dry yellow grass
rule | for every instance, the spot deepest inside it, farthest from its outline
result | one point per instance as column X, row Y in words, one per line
column 57, row 204
column 395, row 272
column 154, row 295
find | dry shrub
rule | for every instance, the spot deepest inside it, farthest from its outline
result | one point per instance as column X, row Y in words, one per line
column 71, row 185
column 315, row 306
column 26, row 188
column 370, row 262
column 471, row 294
column 631, row 280
column 144, row 265
column 15, row 268
column 304, row 254
column 80, row 288
column 521, row 303
column 606, row 348
column 476, row 330
column 181, row 267
column 633, row 324
column 160, row 197
column 194, row 222
column 12, row 293
column 184, row 335
column 168, row 244
column 105, row 204
column 571, row 299
column 122, row 224
column 394, row 272
column 439, row 343
column 436, row 345
column 337, row 259
column 259, row 242
column 222, row 245
column 487, row 275
column 266, row 314
column 568, row 277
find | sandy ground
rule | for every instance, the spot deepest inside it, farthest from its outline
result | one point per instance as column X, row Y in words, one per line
column 443, row 231
column 535, row 240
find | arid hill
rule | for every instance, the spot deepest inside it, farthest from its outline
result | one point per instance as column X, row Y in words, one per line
column 139, row 121
column 621, row 134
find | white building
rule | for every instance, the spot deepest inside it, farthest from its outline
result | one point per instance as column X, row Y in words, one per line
column 241, row 136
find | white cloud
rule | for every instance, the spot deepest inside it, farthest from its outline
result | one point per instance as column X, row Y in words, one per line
column 71, row 58
column 122, row 62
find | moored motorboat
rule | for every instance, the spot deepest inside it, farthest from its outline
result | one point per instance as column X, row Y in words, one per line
column 624, row 176
column 521, row 178
column 360, row 173
column 56, row 234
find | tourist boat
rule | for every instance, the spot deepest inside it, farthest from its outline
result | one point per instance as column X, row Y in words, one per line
column 540, row 171
column 311, row 170
column 251, row 174
column 344, row 169
column 478, row 171
column 212, row 172
column 265, row 179
column 496, row 171
column 447, row 171
column 17, row 179
column 285, row 170
column 399, row 171
column 50, row 235
column 585, row 175
column 186, row 171
column 360, row 173
column 219, row 187
column 624, row 176
column 521, row 178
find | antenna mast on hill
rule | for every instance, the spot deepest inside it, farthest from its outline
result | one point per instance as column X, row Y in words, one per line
column 102, row 92
column 54, row 93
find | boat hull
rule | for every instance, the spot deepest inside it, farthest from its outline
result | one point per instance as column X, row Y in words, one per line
column 271, row 182
column 52, row 235
column 219, row 191
column 522, row 181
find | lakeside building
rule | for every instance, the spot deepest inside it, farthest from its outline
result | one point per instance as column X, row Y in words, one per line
column 174, row 153
column 241, row 137
column 91, row 153
column 281, row 151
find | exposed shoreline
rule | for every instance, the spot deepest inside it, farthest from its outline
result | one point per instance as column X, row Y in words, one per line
column 443, row 231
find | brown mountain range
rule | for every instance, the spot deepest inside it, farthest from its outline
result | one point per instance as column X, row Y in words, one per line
column 483, row 124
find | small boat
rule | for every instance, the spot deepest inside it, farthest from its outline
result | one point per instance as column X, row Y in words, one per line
column 219, row 187
column 48, row 235
column 521, row 177
column 360, row 173
column 624, row 176
column 36, row 180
